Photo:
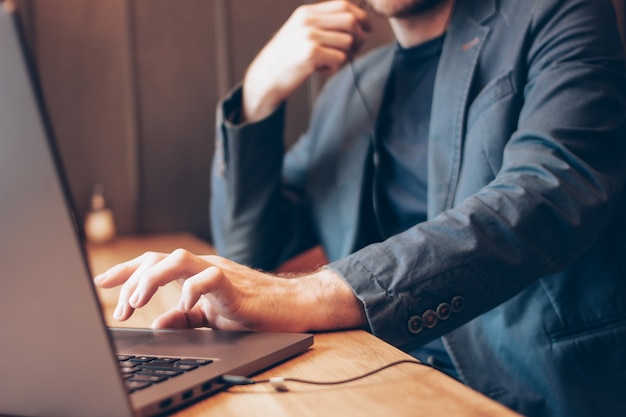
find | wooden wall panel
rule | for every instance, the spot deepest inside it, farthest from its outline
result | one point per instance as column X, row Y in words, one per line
column 83, row 59
column 176, row 79
column 252, row 24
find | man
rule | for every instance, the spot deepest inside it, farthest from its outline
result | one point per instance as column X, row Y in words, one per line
column 471, row 190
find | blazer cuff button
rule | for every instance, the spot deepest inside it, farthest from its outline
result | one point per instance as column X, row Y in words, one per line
column 458, row 304
column 443, row 311
column 430, row 319
column 415, row 324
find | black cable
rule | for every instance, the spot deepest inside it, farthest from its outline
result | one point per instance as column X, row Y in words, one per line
column 357, row 87
column 279, row 382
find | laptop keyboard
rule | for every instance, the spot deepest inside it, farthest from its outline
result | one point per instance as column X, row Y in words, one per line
column 140, row 372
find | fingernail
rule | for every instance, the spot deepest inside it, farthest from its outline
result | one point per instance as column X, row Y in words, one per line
column 134, row 300
column 100, row 277
column 118, row 313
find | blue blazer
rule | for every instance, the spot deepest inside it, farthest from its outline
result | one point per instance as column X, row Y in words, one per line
column 521, row 265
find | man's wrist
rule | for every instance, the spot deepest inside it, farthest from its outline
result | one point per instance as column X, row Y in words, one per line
column 331, row 303
column 256, row 105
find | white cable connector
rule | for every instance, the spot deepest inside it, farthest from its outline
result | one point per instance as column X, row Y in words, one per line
column 278, row 383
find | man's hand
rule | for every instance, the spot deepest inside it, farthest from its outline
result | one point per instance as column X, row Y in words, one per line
column 320, row 36
column 222, row 294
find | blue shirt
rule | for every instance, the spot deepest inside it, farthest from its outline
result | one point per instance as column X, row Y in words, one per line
column 401, row 177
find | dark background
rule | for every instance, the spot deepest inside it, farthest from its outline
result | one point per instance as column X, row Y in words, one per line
column 131, row 87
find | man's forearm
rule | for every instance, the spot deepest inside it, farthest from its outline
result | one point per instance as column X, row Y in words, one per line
column 326, row 302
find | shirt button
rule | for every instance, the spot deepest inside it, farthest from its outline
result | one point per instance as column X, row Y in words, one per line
column 443, row 311
column 430, row 319
column 458, row 304
column 415, row 324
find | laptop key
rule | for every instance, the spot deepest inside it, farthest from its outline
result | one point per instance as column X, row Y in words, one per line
column 140, row 372
column 165, row 360
column 139, row 377
column 142, row 359
column 168, row 366
column 136, row 385
column 160, row 372
column 199, row 362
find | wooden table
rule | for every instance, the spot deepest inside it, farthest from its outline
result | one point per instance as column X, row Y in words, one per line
column 404, row 390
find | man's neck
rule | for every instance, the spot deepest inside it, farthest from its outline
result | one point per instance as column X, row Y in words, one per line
column 414, row 30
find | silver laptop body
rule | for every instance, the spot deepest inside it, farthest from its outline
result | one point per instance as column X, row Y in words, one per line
column 57, row 357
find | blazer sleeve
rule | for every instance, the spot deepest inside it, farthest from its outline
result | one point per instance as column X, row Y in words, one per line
column 259, row 214
column 561, row 178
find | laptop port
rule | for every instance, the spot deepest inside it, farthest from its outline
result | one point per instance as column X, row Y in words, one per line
column 165, row 403
column 187, row 394
column 207, row 386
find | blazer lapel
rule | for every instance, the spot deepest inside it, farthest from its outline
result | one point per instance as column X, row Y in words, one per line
column 356, row 146
column 462, row 46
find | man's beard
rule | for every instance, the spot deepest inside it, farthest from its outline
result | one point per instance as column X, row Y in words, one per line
column 409, row 8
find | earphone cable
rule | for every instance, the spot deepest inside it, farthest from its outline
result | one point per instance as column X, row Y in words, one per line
column 279, row 382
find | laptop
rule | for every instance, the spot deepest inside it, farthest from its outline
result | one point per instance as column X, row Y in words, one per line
column 57, row 356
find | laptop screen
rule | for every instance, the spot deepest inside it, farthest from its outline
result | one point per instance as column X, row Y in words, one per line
column 57, row 356
column 49, row 312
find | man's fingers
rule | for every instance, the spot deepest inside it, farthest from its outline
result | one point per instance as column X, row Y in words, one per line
column 346, row 22
column 339, row 7
column 174, row 319
column 319, row 36
column 344, row 31
column 141, row 277
column 199, row 316
column 126, row 274
column 328, row 39
column 118, row 274
column 125, row 306
column 180, row 264
column 208, row 281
